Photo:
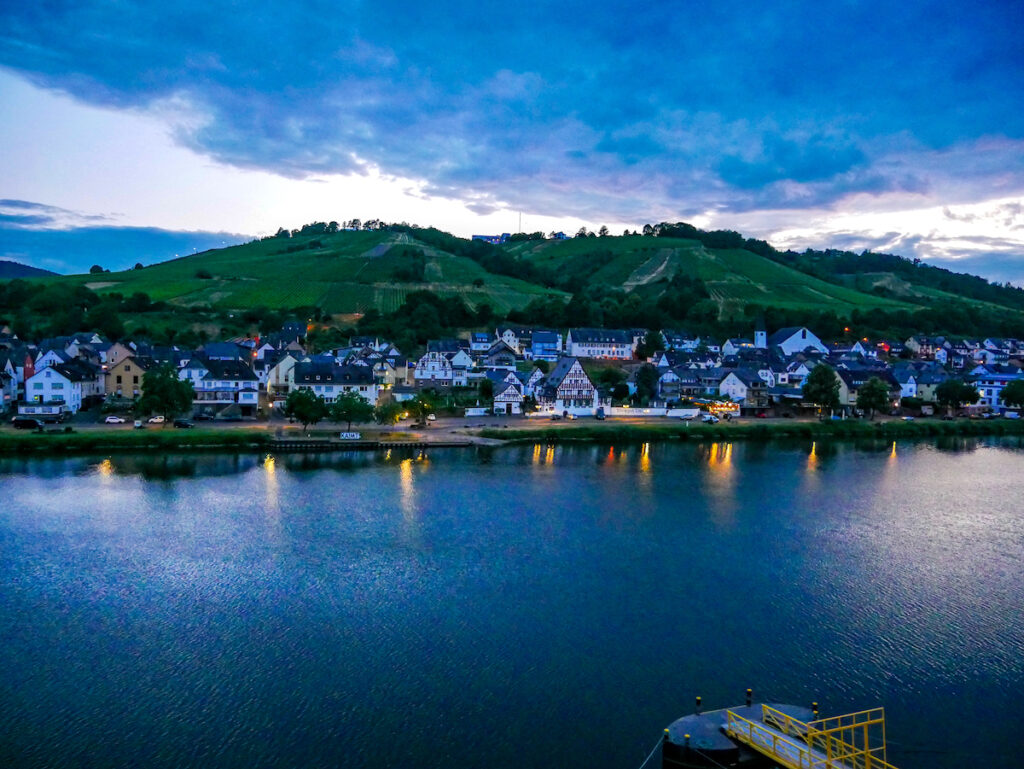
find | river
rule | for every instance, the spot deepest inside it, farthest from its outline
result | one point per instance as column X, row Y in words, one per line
column 523, row 607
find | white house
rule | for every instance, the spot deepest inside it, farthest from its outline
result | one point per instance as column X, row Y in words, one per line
column 329, row 381
column 599, row 343
column 796, row 339
column 567, row 389
column 442, row 369
column 508, row 399
column 222, row 383
column 53, row 391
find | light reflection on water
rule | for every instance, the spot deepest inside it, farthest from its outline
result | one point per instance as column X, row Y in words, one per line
column 497, row 607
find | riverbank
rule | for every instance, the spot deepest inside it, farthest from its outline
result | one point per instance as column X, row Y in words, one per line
column 760, row 431
column 244, row 439
column 95, row 441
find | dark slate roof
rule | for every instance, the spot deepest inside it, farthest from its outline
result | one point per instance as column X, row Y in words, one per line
column 307, row 373
column 600, row 336
column 783, row 334
column 229, row 370
column 226, row 350
column 558, row 372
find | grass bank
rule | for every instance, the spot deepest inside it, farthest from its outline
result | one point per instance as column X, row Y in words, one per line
column 97, row 441
column 686, row 431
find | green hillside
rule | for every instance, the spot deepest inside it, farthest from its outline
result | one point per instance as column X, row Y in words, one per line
column 734, row 277
column 344, row 272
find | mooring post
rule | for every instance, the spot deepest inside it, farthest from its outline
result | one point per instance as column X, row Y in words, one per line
column 698, row 705
column 750, row 696
column 814, row 710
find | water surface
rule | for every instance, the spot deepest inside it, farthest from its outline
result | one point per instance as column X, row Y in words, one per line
column 537, row 606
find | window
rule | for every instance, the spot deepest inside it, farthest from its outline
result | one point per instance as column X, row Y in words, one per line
column 119, row 379
column 37, row 385
column 135, row 379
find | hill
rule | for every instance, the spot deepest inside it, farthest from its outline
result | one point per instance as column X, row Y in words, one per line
column 10, row 270
column 672, row 276
column 339, row 273
column 734, row 277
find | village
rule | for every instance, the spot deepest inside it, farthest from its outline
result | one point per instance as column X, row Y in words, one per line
column 516, row 372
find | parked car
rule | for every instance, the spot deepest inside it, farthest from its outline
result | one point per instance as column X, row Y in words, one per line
column 138, row 424
column 26, row 423
column 203, row 418
column 431, row 418
column 555, row 417
column 908, row 419
column 157, row 420
column 761, row 415
column 183, row 423
column 710, row 419
column 114, row 420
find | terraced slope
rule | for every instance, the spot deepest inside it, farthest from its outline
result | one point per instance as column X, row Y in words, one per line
column 348, row 272
column 734, row 278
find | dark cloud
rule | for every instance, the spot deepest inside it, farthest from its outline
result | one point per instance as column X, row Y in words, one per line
column 25, row 213
column 76, row 249
column 589, row 107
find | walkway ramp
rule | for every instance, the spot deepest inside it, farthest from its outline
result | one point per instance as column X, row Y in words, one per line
column 854, row 741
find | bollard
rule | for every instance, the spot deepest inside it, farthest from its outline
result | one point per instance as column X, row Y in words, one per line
column 814, row 710
column 698, row 706
column 666, row 737
column 686, row 741
column 750, row 696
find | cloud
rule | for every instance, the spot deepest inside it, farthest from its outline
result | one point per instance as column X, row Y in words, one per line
column 76, row 249
column 565, row 108
column 29, row 215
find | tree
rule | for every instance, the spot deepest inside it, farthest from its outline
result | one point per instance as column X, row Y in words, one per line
column 1013, row 393
column 306, row 407
column 543, row 365
column 603, row 232
column 486, row 389
column 620, row 392
column 420, row 407
column 388, row 412
column 822, row 387
column 138, row 266
column 95, row 269
column 873, row 396
column 646, row 378
column 953, row 393
column 650, row 344
column 164, row 393
column 351, row 407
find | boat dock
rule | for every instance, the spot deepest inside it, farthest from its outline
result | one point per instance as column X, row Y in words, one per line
column 790, row 736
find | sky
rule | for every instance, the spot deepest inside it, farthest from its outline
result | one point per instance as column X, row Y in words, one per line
column 137, row 131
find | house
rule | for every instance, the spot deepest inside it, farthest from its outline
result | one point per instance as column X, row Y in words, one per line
column 225, row 351
column 437, row 368
column 678, row 383
column 733, row 346
column 907, row 378
column 850, row 382
column 545, row 345
column 794, row 339
column 279, row 380
column 990, row 381
column 480, row 342
column 518, row 338
column 54, row 391
column 328, row 381
column 746, row 388
column 567, row 389
column 124, row 378
column 222, row 383
column 508, row 399
column 599, row 343
column 500, row 356
column 8, row 391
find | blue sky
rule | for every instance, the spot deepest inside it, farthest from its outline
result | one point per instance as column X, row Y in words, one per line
column 862, row 124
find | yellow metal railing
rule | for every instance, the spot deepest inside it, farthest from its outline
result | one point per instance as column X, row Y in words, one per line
column 853, row 741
